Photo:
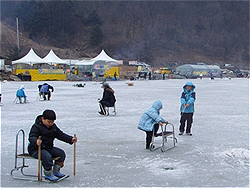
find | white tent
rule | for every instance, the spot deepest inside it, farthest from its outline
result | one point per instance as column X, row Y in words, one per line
column 30, row 58
column 85, row 62
column 104, row 57
column 52, row 59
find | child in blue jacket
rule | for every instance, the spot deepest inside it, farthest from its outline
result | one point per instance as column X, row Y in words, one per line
column 21, row 94
column 187, row 108
column 150, row 120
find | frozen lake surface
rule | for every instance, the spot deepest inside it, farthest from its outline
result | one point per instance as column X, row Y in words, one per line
column 111, row 150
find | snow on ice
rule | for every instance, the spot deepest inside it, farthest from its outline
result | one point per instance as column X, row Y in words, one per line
column 111, row 150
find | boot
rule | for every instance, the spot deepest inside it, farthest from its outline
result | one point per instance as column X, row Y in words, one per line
column 56, row 171
column 50, row 176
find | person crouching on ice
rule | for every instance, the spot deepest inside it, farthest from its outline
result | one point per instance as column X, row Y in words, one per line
column 21, row 94
column 45, row 90
column 150, row 120
column 46, row 128
column 108, row 98
column 187, row 108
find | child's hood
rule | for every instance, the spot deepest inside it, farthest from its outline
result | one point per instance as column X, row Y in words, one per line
column 157, row 105
column 189, row 84
column 38, row 119
column 21, row 87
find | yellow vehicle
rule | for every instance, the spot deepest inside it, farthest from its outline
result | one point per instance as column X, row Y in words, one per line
column 162, row 71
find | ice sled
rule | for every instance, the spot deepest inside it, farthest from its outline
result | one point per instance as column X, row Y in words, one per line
column 167, row 132
column 23, row 157
column 106, row 109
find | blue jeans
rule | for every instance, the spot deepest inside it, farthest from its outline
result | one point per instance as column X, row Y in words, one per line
column 47, row 156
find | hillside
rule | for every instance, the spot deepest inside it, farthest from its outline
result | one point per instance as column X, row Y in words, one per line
column 9, row 41
column 159, row 32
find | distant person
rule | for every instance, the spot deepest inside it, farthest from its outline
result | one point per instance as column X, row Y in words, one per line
column 21, row 94
column 186, row 75
column 221, row 75
column 115, row 76
column 150, row 75
column 201, row 75
column 211, row 76
column 64, row 70
column 164, row 76
column 44, row 90
column 150, row 121
column 94, row 75
column 90, row 76
column 108, row 98
column 145, row 75
column 0, row 98
column 188, row 97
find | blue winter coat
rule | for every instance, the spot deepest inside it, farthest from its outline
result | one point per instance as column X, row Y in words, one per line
column 151, row 117
column 188, row 97
column 20, row 92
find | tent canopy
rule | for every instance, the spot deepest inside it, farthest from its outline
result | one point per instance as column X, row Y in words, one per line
column 30, row 58
column 104, row 57
column 52, row 59
column 85, row 62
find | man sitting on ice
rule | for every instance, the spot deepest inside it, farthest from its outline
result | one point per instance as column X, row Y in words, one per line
column 108, row 98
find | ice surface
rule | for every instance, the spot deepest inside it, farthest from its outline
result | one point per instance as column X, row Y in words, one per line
column 111, row 150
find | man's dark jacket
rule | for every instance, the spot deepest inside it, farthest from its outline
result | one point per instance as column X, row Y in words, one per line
column 108, row 96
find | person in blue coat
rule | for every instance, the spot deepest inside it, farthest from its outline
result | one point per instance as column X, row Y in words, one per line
column 150, row 120
column 21, row 94
column 187, row 107
column 45, row 90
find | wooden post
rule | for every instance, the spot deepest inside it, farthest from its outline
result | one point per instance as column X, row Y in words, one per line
column 74, row 173
column 39, row 160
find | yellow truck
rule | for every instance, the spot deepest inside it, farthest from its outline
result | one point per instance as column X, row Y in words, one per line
column 162, row 71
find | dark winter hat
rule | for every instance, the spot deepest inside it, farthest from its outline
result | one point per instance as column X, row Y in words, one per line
column 49, row 114
column 105, row 85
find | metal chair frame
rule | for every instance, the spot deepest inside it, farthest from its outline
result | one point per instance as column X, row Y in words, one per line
column 165, row 134
column 23, row 156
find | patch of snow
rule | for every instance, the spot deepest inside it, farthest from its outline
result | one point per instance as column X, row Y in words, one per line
column 239, row 155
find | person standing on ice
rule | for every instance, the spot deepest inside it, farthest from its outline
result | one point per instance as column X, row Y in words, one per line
column 46, row 128
column 150, row 121
column 45, row 90
column 108, row 98
column 201, row 75
column 115, row 76
column 21, row 94
column 187, row 108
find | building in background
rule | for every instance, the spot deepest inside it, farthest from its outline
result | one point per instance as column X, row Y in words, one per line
column 196, row 70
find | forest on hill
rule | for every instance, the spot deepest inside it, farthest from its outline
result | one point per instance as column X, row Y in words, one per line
column 155, row 32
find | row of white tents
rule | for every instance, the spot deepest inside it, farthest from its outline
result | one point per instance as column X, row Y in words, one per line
column 51, row 58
